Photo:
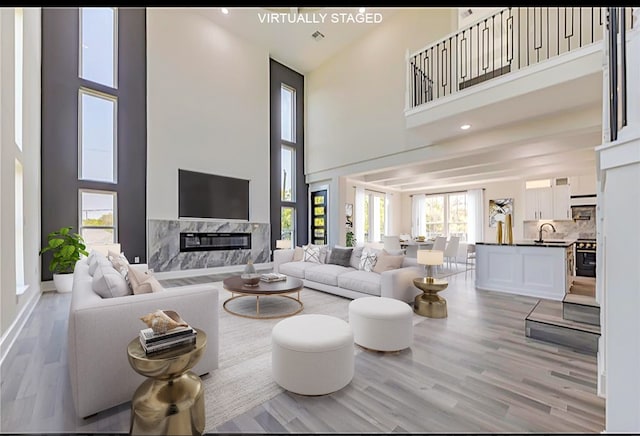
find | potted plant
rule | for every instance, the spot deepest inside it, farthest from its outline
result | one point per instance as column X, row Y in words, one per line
column 67, row 248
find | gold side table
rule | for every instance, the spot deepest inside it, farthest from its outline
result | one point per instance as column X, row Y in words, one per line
column 171, row 401
column 429, row 303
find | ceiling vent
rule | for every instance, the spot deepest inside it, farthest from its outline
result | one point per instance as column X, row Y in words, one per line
column 466, row 13
column 562, row 181
column 317, row 35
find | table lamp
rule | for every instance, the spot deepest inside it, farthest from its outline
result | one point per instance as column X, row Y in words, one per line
column 283, row 244
column 429, row 258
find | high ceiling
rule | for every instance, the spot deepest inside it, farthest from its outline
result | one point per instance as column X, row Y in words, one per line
column 292, row 43
column 486, row 153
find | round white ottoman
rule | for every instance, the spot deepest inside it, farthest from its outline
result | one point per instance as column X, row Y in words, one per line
column 382, row 324
column 312, row 354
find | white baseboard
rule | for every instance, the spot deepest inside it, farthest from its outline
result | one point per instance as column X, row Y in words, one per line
column 206, row 271
column 9, row 337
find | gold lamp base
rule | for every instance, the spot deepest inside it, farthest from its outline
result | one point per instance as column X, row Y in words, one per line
column 428, row 303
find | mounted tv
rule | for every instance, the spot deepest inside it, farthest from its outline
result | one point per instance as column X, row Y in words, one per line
column 211, row 196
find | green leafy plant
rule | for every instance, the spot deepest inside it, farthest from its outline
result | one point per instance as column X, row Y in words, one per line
column 66, row 248
column 351, row 240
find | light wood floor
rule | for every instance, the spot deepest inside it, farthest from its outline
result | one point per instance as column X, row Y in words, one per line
column 474, row 371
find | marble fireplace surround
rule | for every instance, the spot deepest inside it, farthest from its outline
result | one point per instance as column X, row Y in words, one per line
column 164, row 244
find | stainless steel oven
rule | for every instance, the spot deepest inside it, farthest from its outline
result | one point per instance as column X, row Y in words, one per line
column 586, row 257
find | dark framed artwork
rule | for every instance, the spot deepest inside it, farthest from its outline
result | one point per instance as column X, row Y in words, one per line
column 498, row 209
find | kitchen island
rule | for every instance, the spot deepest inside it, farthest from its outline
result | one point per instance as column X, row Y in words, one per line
column 542, row 270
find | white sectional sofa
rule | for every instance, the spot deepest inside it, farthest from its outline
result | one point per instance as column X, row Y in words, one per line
column 351, row 282
column 101, row 328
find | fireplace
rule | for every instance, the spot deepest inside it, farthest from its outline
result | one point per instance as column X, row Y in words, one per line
column 214, row 241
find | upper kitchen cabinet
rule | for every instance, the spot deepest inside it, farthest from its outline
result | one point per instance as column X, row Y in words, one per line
column 538, row 203
column 548, row 199
column 562, row 202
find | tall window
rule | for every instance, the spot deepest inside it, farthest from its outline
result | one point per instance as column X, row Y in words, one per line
column 375, row 218
column 97, row 124
column 287, row 162
column 98, row 217
column 18, row 67
column 19, row 228
column 446, row 215
column 288, row 192
column 98, row 48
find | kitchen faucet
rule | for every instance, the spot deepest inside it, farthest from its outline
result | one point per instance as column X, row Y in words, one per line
column 540, row 231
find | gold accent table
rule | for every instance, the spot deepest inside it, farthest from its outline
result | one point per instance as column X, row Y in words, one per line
column 428, row 303
column 291, row 285
column 171, row 401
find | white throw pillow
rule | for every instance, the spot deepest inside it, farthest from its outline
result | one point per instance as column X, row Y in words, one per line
column 109, row 283
column 97, row 260
column 368, row 260
column 311, row 253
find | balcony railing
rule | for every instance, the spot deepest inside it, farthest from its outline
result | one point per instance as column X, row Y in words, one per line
column 507, row 41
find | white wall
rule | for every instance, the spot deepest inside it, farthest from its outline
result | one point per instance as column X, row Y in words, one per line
column 207, row 109
column 12, row 306
column 355, row 101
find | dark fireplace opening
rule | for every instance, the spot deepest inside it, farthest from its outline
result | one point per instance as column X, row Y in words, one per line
column 214, row 241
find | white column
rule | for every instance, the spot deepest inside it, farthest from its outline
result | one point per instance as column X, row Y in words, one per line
column 618, row 275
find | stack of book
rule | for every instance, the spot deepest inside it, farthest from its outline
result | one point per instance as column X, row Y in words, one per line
column 153, row 342
column 273, row 277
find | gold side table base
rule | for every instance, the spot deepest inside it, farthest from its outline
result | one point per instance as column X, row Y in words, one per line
column 171, row 407
column 430, row 305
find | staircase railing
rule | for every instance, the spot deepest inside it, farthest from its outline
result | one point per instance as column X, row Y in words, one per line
column 507, row 41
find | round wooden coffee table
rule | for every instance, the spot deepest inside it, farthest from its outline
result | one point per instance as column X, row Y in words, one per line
column 235, row 285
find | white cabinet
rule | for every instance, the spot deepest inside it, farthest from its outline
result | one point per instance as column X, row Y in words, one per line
column 561, row 203
column 539, row 204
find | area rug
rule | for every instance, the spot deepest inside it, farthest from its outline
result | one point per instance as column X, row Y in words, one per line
column 243, row 379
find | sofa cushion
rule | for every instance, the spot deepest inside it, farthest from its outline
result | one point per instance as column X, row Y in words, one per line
column 327, row 274
column 387, row 263
column 340, row 256
column 109, row 283
column 355, row 257
column 95, row 260
column 360, row 281
column 296, row 269
column 311, row 253
column 368, row 259
column 298, row 254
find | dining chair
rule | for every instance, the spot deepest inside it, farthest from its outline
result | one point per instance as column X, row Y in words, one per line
column 451, row 251
column 470, row 258
column 392, row 243
column 440, row 243
column 412, row 250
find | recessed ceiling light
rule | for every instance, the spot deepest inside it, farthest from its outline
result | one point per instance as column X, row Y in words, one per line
column 225, row 11
column 465, row 126
column 361, row 10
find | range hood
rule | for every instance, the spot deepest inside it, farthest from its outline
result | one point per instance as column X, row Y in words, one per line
column 583, row 200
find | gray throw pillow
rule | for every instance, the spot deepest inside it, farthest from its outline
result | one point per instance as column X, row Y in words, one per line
column 109, row 283
column 340, row 256
column 355, row 256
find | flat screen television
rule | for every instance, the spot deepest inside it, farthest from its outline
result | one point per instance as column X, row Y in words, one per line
column 211, row 196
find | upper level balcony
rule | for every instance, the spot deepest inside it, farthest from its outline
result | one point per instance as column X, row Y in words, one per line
column 516, row 64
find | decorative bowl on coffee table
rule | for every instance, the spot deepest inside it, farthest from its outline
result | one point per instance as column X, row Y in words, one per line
column 250, row 279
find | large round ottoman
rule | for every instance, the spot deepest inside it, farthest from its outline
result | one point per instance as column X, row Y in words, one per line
column 312, row 354
column 382, row 324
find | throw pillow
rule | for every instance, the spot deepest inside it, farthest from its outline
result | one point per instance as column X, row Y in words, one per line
column 143, row 282
column 98, row 260
column 311, row 253
column 109, row 283
column 355, row 257
column 340, row 256
column 324, row 253
column 298, row 254
column 368, row 260
column 119, row 261
column 387, row 263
